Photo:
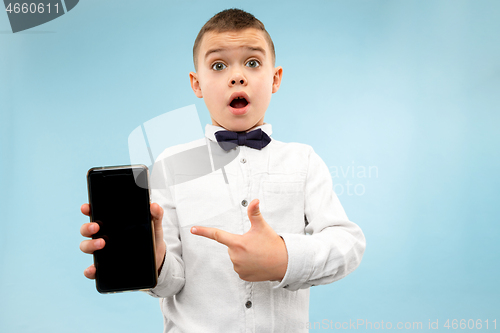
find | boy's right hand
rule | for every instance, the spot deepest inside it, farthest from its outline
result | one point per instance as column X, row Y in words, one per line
column 91, row 245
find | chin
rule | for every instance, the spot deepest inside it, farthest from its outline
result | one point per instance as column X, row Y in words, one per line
column 236, row 127
column 237, row 124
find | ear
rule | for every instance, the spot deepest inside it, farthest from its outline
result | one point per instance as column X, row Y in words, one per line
column 278, row 73
column 195, row 84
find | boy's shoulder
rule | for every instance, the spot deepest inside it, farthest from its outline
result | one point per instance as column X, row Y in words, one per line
column 297, row 145
column 292, row 147
column 175, row 149
column 283, row 151
column 280, row 158
column 290, row 157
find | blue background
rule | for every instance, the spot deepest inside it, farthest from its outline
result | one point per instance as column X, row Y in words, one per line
column 409, row 88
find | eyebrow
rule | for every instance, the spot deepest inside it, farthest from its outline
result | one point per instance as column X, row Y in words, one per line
column 251, row 48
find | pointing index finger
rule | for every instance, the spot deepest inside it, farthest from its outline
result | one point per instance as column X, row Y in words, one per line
column 218, row 235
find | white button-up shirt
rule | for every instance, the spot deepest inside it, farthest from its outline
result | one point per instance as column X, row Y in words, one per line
column 198, row 288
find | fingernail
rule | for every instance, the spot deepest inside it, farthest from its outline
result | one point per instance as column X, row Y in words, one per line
column 194, row 230
column 98, row 243
column 92, row 228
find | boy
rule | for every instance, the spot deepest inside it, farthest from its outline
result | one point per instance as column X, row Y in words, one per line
column 247, row 268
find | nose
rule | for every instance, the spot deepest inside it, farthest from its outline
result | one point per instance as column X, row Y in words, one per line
column 237, row 78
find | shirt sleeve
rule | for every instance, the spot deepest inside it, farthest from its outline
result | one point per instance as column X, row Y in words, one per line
column 334, row 247
column 171, row 278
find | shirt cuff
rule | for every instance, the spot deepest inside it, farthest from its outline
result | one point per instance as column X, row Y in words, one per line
column 161, row 278
column 300, row 261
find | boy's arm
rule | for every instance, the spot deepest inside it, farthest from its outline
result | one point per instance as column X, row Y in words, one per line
column 171, row 276
column 335, row 245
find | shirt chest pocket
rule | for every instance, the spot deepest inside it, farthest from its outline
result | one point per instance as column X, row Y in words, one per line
column 282, row 206
column 203, row 201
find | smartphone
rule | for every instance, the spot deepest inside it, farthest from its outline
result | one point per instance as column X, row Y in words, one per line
column 120, row 203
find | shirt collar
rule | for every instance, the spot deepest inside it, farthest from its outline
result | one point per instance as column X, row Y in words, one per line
column 210, row 130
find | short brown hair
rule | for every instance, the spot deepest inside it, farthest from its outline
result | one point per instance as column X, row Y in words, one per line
column 231, row 20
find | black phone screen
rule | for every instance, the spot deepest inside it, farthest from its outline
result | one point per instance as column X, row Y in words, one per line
column 122, row 210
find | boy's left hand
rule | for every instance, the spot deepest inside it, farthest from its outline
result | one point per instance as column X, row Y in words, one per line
column 258, row 255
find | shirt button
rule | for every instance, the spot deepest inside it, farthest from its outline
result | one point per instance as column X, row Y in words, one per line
column 248, row 304
column 244, row 203
column 285, row 286
column 243, row 160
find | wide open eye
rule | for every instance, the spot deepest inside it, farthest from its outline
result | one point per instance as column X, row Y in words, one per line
column 218, row 66
column 253, row 63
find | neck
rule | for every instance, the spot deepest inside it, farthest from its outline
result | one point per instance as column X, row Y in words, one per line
column 247, row 130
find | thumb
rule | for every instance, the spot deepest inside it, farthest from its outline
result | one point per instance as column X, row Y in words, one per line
column 157, row 217
column 255, row 215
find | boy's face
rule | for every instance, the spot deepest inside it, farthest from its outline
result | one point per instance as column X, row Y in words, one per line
column 236, row 78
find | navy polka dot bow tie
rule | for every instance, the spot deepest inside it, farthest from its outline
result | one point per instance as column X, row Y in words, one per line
column 256, row 139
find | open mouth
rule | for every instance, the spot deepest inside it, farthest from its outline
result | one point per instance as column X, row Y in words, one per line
column 239, row 102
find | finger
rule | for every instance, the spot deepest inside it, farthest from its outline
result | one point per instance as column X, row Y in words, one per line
column 156, row 212
column 89, row 229
column 253, row 208
column 85, row 208
column 157, row 218
column 254, row 214
column 89, row 272
column 91, row 245
column 218, row 235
